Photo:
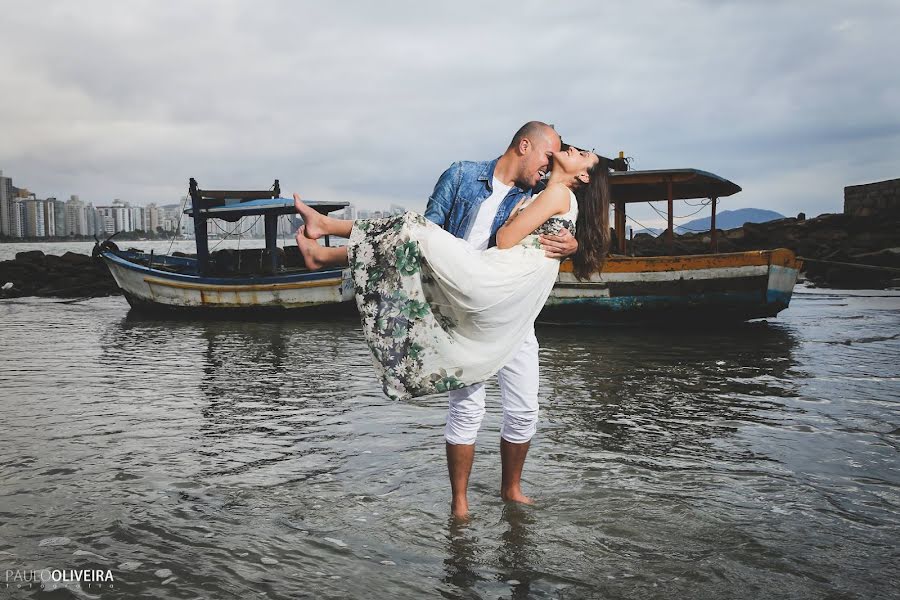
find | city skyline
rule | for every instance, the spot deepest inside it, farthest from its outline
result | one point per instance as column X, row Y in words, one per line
column 25, row 216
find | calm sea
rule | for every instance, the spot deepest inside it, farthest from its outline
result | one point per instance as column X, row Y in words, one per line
column 260, row 460
column 8, row 251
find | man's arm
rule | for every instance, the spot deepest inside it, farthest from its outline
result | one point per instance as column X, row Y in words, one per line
column 441, row 199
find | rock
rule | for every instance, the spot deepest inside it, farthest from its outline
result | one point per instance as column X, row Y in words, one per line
column 54, row 541
column 31, row 256
column 73, row 258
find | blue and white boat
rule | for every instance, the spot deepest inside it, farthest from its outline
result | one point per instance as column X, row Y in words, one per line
column 270, row 279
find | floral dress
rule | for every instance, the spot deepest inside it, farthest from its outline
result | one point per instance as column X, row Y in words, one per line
column 438, row 314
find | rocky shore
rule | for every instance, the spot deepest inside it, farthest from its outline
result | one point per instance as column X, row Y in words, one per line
column 841, row 251
column 71, row 275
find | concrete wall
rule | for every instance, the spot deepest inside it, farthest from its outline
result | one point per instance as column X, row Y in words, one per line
column 869, row 199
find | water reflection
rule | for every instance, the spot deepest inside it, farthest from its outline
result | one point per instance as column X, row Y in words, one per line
column 265, row 392
column 607, row 391
column 461, row 562
column 518, row 550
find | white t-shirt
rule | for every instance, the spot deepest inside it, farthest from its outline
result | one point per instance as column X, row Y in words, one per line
column 480, row 233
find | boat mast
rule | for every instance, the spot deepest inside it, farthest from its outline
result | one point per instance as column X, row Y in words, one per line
column 200, row 233
column 271, row 221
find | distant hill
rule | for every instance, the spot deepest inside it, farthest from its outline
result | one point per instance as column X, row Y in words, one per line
column 654, row 231
column 730, row 219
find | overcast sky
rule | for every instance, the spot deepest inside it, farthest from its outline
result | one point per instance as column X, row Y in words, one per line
column 370, row 101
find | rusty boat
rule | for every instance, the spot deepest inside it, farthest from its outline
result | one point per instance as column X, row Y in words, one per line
column 248, row 281
column 674, row 289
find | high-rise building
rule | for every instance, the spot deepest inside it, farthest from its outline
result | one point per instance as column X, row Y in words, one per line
column 6, row 197
column 17, row 218
column 34, row 217
column 92, row 220
column 59, row 209
column 137, row 218
column 75, row 217
column 49, row 217
column 117, row 217
column 151, row 217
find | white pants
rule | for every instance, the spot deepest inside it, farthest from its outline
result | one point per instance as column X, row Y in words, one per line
column 518, row 397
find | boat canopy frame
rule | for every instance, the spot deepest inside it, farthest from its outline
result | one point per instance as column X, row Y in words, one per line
column 231, row 205
column 669, row 185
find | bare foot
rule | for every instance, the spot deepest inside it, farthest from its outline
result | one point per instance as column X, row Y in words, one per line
column 312, row 219
column 515, row 495
column 309, row 248
column 459, row 509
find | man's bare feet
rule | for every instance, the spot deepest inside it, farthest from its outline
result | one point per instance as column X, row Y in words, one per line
column 515, row 495
column 459, row 508
column 312, row 219
column 309, row 248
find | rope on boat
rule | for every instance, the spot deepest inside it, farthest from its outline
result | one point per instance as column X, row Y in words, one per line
column 846, row 264
column 177, row 225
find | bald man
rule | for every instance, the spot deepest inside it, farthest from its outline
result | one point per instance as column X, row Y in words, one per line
column 472, row 200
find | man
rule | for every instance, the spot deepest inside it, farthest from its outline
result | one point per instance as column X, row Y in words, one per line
column 472, row 200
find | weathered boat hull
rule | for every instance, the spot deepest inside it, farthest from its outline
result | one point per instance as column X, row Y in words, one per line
column 154, row 289
column 737, row 286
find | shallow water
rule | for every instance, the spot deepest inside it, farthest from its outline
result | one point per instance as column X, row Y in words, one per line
column 8, row 250
column 188, row 457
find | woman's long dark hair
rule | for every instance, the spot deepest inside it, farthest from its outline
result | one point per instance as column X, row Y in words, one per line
column 592, row 225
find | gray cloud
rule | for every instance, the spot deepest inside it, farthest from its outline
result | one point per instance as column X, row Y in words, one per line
column 371, row 101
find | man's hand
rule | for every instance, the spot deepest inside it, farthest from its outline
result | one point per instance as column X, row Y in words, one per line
column 559, row 246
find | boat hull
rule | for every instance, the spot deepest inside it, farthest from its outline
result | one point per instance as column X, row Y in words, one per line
column 672, row 289
column 734, row 287
column 153, row 289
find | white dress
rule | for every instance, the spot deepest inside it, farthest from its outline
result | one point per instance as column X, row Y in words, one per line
column 438, row 314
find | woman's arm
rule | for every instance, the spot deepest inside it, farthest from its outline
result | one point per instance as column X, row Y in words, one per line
column 553, row 201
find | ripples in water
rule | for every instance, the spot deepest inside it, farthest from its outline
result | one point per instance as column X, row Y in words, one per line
column 234, row 459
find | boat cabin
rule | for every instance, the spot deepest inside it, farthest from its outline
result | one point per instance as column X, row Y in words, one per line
column 668, row 185
column 232, row 205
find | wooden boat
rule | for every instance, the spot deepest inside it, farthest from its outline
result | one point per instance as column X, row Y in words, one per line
column 715, row 286
column 229, row 281
column 710, row 287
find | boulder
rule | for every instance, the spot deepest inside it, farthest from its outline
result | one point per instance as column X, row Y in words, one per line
column 31, row 256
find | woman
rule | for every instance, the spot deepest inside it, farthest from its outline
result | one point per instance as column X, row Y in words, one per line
column 440, row 315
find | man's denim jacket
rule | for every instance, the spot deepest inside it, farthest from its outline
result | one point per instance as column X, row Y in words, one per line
column 459, row 193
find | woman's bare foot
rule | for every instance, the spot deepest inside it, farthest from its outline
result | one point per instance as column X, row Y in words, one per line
column 313, row 221
column 309, row 248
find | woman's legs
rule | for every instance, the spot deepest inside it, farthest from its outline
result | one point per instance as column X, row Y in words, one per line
column 318, row 257
column 318, row 225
